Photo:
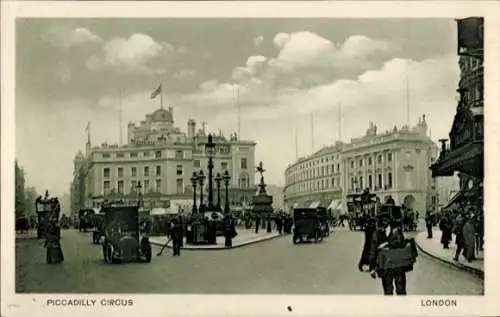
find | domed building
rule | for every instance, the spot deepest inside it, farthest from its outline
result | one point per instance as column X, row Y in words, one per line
column 163, row 158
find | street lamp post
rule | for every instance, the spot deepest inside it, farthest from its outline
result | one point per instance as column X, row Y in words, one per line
column 226, row 177
column 194, row 180
column 201, row 180
column 210, row 150
column 218, row 180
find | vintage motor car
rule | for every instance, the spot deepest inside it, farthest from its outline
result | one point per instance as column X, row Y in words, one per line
column 306, row 225
column 122, row 240
column 85, row 216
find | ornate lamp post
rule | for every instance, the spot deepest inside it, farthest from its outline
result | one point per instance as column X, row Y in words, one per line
column 218, row 180
column 194, row 181
column 210, row 150
column 226, row 177
column 201, row 180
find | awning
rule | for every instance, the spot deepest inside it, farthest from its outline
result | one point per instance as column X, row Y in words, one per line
column 334, row 204
column 158, row 211
column 314, row 204
column 466, row 159
column 454, row 199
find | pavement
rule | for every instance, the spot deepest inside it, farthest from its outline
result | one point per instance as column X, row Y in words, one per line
column 276, row 266
column 244, row 237
column 434, row 248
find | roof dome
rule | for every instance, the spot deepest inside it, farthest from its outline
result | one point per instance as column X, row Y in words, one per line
column 161, row 115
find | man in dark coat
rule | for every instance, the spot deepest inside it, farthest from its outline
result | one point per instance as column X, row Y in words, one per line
column 446, row 227
column 279, row 223
column 177, row 236
column 370, row 228
column 388, row 236
column 229, row 231
column 257, row 224
column 429, row 222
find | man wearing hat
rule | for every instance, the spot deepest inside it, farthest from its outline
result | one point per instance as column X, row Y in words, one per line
column 388, row 236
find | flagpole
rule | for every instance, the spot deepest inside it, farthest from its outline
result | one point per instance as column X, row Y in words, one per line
column 121, row 115
column 340, row 121
column 161, row 95
column 312, row 131
column 239, row 113
column 408, row 121
column 296, row 145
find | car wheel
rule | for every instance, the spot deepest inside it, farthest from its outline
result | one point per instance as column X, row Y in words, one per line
column 109, row 254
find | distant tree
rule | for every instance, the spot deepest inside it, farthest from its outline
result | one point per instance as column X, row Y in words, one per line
column 30, row 198
column 20, row 203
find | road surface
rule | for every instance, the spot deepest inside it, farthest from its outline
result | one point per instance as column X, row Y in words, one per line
column 273, row 267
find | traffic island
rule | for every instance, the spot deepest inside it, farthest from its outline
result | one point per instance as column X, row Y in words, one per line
column 433, row 248
column 244, row 237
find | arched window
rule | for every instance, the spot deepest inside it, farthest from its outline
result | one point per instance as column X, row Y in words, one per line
column 244, row 181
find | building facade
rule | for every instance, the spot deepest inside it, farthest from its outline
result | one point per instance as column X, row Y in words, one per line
column 391, row 163
column 465, row 153
column 163, row 159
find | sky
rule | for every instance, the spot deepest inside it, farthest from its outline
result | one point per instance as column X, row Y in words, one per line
column 70, row 72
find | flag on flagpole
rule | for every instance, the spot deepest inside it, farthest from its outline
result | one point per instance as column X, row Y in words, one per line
column 156, row 92
column 88, row 127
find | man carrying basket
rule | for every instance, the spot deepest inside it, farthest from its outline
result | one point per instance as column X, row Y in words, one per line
column 391, row 255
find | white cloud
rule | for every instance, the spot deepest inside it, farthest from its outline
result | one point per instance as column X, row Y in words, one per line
column 254, row 65
column 131, row 55
column 183, row 74
column 65, row 38
column 257, row 41
column 281, row 39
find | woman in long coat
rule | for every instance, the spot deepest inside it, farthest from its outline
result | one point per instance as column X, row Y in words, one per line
column 469, row 232
column 53, row 245
column 370, row 228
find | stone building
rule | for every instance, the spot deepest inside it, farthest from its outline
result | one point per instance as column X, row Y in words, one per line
column 163, row 158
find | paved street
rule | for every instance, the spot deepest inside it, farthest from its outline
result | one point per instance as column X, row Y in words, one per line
column 274, row 266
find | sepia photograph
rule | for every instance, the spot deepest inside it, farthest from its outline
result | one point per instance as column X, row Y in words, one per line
column 248, row 156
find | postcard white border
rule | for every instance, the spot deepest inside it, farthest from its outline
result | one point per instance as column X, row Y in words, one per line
column 258, row 305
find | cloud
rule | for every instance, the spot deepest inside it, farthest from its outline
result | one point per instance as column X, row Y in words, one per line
column 257, row 41
column 65, row 38
column 132, row 55
column 254, row 65
column 184, row 74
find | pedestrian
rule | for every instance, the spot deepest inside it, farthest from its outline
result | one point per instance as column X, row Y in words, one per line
column 54, row 252
column 177, row 236
column 446, row 227
column 370, row 228
column 229, row 231
column 257, row 224
column 429, row 221
column 279, row 224
column 459, row 235
column 469, row 231
column 389, row 236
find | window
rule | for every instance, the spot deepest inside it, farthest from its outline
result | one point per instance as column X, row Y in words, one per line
column 158, row 185
column 146, row 171
column 158, row 171
column 133, row 154
column 133, row 171
column 120, row 171
column 389, row 157
column 244, row 163
column 361, row 182
column 179, row 169
column 379, row 159
column 380, row 181
column 223, row 166
column 180, row 186
column 370, row 182
column 361, row 163
column 146, row 154
column 244, row 181
column 352, row 164
column 322, row 170
column 120, row 155
column 369, row 161
column 179, row 155
column 107, row 186
column 158, row 154
column 120, row 187
column 106, row 155
column 106, row 172
column 389, row 180
column 333, row 182
column 353, row 183
column 338, row 168
column 146, row 185
column 133, row 186
column 196, row 163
